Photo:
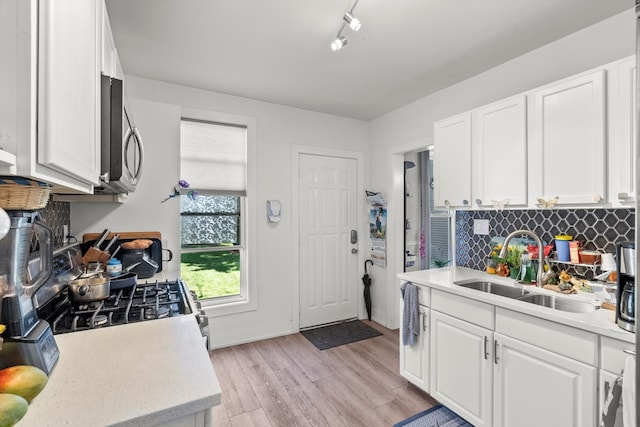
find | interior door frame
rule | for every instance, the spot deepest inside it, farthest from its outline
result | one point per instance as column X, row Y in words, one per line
column 361, row 224
column 395, row 224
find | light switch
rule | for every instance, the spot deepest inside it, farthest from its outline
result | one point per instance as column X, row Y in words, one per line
column 273, row 210
column 481, row 227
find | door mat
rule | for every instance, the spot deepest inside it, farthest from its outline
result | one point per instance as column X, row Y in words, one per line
column 339, row 334
column 439, row 416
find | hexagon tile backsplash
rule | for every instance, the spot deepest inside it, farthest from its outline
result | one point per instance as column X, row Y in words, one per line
column 599, row 229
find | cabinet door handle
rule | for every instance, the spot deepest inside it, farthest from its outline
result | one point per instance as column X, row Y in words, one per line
column 486, row 342
column 630, row 352
column 495, row 352
column 424, row 321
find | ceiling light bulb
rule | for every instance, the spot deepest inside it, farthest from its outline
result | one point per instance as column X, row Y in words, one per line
column 338, row 43
column 354, row 23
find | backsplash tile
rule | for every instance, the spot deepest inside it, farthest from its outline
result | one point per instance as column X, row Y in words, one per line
column 600, row 229
column 56, row 215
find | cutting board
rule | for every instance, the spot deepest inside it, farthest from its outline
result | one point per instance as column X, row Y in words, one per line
column 154, row 251
column 124, row 236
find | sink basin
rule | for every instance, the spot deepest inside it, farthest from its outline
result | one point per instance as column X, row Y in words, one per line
column 492, row 288
column 559, row 303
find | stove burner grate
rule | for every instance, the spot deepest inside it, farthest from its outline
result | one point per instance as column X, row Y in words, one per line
column 152, row 313
column 141, row 302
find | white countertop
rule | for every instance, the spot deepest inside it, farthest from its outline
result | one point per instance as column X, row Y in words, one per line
column 600, row 321
column 139, row 374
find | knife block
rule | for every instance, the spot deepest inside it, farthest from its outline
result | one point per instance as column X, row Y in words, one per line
column 95, row 255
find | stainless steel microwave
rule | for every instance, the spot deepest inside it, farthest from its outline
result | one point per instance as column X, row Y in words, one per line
column 122, row 151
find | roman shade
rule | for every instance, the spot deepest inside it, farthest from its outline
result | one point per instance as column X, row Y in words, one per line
column 213, row 157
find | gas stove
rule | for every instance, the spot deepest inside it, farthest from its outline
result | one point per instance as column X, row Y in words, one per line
column 144, row 301
column 141, row 302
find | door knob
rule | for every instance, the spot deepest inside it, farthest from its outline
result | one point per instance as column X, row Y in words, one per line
column 354, row 250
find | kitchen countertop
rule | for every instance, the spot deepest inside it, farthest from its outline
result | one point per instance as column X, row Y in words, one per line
column 139, row 374
column 600, row 321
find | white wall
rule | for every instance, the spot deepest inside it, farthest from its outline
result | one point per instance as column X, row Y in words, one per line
column 156, row 106
column 604, row 42
column 157, row 110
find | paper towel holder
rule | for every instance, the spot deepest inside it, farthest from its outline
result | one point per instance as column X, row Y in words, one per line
column 273, row 210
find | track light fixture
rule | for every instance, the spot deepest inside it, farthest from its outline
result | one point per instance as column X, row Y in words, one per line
column 338, row 43
column 353, row 23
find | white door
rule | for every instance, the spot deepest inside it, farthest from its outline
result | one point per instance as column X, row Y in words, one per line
column 524, row 372
column 329, row 281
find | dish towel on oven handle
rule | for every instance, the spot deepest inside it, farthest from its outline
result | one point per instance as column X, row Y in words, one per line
column 410, row 313
column 611, row 410
column 629, row 392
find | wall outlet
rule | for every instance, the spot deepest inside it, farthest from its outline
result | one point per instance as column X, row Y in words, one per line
column 481, row 226
column 65, row 232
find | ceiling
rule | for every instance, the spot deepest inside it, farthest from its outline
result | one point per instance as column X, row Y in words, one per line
column 278, row 50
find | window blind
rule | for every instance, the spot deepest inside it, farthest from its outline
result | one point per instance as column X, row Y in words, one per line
column 213, row 157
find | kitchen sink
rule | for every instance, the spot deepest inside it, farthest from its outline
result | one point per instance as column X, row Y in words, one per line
column 492, row 288
column 543, row 300
column 561, row 304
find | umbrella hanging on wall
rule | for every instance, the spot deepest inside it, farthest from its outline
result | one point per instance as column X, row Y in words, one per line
column 367, row 292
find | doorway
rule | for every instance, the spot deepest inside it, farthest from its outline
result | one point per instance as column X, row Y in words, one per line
column 328, row 255
column 427, row 231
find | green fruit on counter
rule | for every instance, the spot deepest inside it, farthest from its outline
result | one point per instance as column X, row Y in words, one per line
column 23, row 380
column 12, row 409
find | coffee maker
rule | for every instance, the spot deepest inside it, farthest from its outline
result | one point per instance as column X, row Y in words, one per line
column 28, row 340
column 625, row 292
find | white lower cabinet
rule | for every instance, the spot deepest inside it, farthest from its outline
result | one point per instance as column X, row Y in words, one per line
column 613, row 354
column 498, row 367
column 462, row 367
column 414, row 359
column 527, row 377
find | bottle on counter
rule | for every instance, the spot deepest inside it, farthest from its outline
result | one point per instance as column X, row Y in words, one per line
column 114, row 267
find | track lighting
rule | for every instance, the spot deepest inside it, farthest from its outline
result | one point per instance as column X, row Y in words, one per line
column 352, row 21
column 338, row 43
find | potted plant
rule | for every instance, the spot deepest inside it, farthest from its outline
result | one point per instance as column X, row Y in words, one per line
column 514, row 258
column 496, row 264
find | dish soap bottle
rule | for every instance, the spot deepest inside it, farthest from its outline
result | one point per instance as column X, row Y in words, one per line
column 525, row 268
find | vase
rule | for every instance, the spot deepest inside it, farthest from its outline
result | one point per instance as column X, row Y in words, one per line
column 514, row 272
column 502, row 270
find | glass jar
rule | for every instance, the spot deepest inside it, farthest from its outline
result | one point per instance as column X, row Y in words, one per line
column 491, row 266
column 114, row 267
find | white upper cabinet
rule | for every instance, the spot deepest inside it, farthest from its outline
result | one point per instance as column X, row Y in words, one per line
column 622, row 132
column 568, row 141
column 110, row 59
column 53, row 69
column 499, row 151
column 452, row 162
column 69, row 88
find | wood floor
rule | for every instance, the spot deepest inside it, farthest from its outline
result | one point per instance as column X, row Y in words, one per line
column 287, row 381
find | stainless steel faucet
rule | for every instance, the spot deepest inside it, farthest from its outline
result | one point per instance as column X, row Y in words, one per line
column 505, row 247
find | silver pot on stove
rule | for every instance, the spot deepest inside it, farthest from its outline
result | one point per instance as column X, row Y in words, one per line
column 91, row 289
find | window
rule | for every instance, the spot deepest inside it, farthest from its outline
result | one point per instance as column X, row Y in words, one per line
column 213, row 249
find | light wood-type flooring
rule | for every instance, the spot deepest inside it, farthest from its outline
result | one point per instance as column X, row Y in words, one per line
column 287, row 381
